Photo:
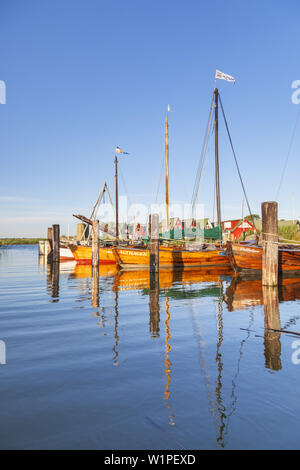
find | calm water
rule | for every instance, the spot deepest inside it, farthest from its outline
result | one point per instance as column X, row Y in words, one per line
column 189, row 367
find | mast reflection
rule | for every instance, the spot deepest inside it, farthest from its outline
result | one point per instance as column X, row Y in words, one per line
column 168, row 364
column 116, row 336
column 220, row 406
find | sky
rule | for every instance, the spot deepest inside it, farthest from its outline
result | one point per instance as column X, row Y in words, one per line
column 83, row 77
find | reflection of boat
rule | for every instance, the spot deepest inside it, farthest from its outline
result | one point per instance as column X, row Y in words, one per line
column 83, row 271
column 140, row 279
column 250, row 258
column 243, row 293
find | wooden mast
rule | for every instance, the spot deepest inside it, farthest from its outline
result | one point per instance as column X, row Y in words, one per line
column 216, row 93
column 167, row 173
column 117, row 199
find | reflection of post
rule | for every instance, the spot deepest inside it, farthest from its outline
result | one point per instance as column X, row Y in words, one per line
column 95, row 286
column 154, row 304
column 154, row 274
column 95, row 243
column 272, row 322
column 54, row 269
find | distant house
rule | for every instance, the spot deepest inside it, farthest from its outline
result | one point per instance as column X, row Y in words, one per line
column 236, row 228
column 139, row 232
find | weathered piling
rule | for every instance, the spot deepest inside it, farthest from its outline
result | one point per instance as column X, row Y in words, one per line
column 95, row 286
column 95, row 243
column 48, row 246
column 269, row 212
column 154, row 243
column 55, row 243
column 154, row 304
column 272, row 328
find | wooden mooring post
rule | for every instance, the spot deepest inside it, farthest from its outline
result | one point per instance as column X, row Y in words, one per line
column 55, row 243
column 95, row 243
column 269, row 212
column 48, row 246
column 154, row 243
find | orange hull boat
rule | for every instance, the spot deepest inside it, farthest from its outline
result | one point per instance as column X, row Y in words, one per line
column 168, row 257
column 243, row 257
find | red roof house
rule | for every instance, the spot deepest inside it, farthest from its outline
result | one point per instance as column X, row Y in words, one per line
column 236, row 228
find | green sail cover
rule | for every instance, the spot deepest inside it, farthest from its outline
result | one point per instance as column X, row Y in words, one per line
column 214, row 233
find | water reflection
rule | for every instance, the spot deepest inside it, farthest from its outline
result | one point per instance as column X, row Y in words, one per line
column 165, row 289
column 246, row 293
column 168, row 364
column 154, row 305
column 272, row 322
column 52, row 280
column 116, row 336
column 220, row 406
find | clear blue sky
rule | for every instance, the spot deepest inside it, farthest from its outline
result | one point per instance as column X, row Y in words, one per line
column 84, row 76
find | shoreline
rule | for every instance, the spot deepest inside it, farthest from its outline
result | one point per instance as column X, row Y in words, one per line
column 19, row 241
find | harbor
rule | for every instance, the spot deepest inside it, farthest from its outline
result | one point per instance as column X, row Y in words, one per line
column 199, row 363
column 149, row 229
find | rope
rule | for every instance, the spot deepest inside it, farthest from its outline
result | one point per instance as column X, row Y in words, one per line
column 202, row 159
column 124, row 184
column 278, row 236
column 159, row 180
column 236, row 162
column 288, row 154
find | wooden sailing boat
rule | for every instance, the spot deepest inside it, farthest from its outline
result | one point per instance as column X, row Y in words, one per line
column 249, row 258
column 169, row 256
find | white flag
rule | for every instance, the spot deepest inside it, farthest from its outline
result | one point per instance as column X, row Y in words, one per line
column 224, row 76
column 118, row 150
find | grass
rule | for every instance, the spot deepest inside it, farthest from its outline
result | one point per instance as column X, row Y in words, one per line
column 289, row 232
column 19, row 241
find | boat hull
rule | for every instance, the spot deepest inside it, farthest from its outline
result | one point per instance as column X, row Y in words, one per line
column 132, row 257
column 250, row 258
column 65, row 254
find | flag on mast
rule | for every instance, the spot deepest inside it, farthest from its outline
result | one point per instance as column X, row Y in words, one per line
column 120, row 151
column 224, row 76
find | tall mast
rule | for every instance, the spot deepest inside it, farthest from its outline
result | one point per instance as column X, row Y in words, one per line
column 167, row 173
column 216, row 93
column 117, row 199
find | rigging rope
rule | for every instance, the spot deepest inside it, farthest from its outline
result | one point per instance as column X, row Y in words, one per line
column 124, row 184
column 159, row 181
column 202, row 159
column 288, row 154
column 236, row 162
